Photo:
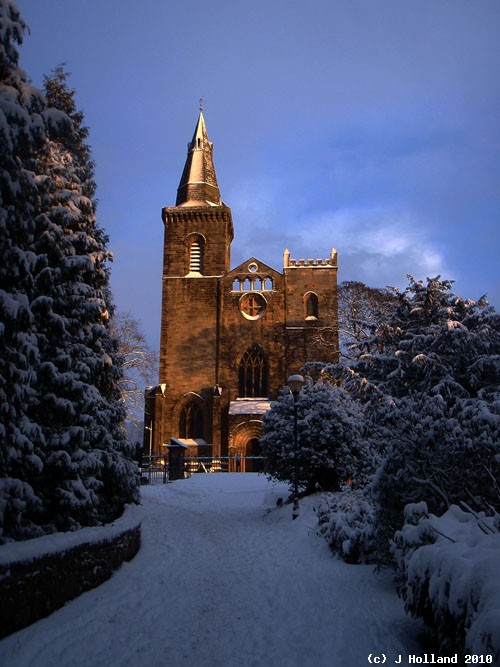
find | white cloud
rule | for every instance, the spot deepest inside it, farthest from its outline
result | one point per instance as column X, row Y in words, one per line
column 377, row 246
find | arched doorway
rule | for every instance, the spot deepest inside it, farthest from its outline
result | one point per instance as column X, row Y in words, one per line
column 253, row 450
column 244, row 446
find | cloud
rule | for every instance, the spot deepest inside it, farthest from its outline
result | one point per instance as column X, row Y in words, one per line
column 377, row 246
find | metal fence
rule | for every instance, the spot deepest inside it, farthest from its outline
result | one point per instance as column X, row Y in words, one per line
column 154, row 469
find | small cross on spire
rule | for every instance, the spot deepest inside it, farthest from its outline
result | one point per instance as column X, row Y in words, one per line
column 201, row 103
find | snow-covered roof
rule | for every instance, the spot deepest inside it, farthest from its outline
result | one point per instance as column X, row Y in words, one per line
column 187, row 442
column 249, row 406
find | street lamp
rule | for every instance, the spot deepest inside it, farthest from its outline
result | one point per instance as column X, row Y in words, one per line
column 150, row 429
column 295, row 382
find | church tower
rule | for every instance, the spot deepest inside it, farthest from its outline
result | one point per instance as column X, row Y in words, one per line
column 229, row 337
column 196, row 253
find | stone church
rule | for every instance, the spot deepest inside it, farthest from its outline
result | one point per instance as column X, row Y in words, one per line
column 229, row 337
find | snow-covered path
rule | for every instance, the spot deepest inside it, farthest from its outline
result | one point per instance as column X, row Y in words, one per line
column 224, row 578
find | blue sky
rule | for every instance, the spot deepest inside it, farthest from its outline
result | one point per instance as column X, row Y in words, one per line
column 371, row 126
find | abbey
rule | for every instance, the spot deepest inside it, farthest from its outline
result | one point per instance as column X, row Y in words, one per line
column 229, row 337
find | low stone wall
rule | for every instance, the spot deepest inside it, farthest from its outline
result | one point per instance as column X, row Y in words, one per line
column 35, row 587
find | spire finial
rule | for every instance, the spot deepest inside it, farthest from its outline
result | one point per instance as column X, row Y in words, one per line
column 198, row 180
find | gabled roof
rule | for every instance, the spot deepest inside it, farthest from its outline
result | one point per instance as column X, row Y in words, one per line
column 198, row 185
column 261, row 268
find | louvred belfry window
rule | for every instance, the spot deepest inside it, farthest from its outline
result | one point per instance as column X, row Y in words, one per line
column 253, row 374
column 195, row 257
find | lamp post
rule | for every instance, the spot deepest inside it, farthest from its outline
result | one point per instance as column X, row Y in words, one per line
column 295, row 382
column 150, row 429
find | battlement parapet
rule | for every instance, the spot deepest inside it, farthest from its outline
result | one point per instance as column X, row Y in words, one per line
column 330, row 262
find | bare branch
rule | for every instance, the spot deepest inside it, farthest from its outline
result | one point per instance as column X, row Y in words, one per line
column 138, row 361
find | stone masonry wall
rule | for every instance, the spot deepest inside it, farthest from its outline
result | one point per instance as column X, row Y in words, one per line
column 34, row 588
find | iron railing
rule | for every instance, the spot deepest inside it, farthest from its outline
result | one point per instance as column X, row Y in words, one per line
column 154, row 469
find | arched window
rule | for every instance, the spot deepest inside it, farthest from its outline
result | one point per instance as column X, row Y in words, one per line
column 191, row 421
column 311, row 306
column 253, row 374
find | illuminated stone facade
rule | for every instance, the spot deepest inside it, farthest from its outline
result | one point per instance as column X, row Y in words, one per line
column 229, row 337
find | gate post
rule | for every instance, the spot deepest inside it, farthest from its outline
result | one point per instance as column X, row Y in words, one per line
column 176, row 454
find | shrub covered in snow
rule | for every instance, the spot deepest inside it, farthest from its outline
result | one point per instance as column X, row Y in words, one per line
column 443, row 450
column 347, row 520
column 450, row 569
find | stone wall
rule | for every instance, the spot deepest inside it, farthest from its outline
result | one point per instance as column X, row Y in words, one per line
column 35, row 587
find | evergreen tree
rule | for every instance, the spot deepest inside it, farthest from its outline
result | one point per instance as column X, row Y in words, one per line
column 22, row 132
column 432, row 402
column 434, row 341
column 330, row 449
column 429, row 390
column 85, row 478
column 443, row 428
column 66, row 461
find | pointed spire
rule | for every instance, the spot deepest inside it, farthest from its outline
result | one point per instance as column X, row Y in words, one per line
column 198, row 186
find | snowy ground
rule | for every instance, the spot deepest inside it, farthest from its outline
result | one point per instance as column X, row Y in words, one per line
column 224, row 578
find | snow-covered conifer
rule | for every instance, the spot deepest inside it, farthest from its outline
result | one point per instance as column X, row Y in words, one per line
column 21, row 133
column 433, row 402
column 87, row 475
column 430, row 391
column 65, row 460
column 330, row 448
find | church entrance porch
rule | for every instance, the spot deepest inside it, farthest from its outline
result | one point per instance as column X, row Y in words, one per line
column 246, row 457
column 245, row 428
